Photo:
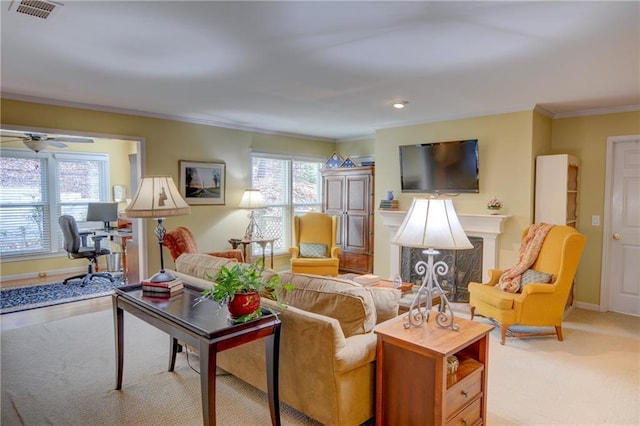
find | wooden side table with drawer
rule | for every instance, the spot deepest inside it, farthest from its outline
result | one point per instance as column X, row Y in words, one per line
column 412, row 384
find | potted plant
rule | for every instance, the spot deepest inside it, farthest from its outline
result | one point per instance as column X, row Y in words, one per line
column 238, row 286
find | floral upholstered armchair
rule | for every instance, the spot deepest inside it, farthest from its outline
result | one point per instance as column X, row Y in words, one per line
column 181, row 240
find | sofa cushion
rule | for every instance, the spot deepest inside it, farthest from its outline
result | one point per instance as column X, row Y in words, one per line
column 386, row 301
column 350, row 303
column 200, row 265
column 313, row 250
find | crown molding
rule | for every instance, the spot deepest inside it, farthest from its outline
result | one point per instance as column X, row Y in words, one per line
column 185, row 119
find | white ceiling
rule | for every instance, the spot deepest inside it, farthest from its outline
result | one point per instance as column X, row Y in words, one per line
column 325, row 69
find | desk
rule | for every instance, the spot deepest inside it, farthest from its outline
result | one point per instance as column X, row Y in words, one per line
column 204, row 326
column 120, row 238
column 262, row 242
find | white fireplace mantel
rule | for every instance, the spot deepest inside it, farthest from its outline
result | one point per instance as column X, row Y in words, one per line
column 484, row 226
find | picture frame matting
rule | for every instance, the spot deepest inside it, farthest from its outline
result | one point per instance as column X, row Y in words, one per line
column 203, row 182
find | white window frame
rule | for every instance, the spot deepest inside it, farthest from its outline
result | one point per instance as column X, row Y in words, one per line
column 285, row 241
column 54, row 205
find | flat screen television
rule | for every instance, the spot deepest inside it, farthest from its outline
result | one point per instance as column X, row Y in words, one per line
column 441, row 167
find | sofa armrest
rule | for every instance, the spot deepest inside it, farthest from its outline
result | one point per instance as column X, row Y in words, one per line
column 199, row 283
column 295, row 252
column 335, row 252
column 358, row 351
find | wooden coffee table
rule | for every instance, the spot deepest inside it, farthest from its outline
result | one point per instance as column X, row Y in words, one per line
column 204, row 326
column 408, row 295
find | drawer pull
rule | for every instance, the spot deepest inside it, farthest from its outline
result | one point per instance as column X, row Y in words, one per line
column 464, row 393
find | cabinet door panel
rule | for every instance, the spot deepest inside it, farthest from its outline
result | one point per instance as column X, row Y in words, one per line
column 358, row 194
column 355, row 239
column 334, row 195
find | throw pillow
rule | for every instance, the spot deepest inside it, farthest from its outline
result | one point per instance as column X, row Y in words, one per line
column 533, row 276
column 313, row 250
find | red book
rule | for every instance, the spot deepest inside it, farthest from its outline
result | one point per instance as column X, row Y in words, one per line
column 167, row 290
column 166, row 284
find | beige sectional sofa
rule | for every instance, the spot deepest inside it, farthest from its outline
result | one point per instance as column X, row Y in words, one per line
column 327, row 346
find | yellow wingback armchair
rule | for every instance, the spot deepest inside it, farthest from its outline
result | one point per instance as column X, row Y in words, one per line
column 314, row 248
column 539, row 304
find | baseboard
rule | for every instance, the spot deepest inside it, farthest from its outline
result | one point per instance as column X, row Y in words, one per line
column 587, row 306
column 29, row 275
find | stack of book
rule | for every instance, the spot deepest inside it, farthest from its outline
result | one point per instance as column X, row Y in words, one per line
column 389, row 204
column 162, row 289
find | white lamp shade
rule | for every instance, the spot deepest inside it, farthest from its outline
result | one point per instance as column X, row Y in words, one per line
column 252, row 199
column 432, row 223
column 157, row 196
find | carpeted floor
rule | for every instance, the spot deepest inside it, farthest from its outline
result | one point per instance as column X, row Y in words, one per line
column 40, row 295
column 62, row 373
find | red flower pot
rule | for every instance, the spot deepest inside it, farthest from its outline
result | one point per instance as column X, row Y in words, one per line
column 244, row 304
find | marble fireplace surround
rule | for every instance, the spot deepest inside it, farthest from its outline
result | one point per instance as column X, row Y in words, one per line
column 484, row 226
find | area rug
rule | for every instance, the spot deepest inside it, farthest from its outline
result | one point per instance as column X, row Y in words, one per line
column 63, row 373
column 17, row 299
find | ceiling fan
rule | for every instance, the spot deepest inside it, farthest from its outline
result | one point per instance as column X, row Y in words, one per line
column 39, row 141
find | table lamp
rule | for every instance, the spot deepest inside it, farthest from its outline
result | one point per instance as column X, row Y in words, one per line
column 157, row 197
column 431, row 224
column 252, row 199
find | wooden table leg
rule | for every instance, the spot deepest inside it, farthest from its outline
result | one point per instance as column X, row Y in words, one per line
column 272, row 358
column 173, row 350
column 118, row 318
column 208, row 382
column 125, row 266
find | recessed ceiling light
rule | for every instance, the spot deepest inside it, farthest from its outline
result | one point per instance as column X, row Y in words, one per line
column 400, row 104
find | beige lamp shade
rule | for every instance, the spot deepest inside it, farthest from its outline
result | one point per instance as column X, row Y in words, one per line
column 432, row 223
column 157, row 196
column 252, row 199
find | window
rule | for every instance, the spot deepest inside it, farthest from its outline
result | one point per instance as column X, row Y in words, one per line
column 290, row 185
column 35, row 189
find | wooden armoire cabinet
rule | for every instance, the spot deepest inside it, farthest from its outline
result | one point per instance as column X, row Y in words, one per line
column 348, row 193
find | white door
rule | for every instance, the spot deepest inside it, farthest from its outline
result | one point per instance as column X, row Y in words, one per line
column 624, row 231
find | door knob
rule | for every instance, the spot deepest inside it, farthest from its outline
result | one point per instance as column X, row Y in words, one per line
column 616, row 236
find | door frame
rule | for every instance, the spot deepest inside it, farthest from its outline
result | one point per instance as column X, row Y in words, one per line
column 139, row 164
column 606, row 232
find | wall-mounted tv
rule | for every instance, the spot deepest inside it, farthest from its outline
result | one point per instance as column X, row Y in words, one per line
column 441, row 167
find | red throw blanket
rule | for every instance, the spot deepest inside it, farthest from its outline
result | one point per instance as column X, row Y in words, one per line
column 527, row 255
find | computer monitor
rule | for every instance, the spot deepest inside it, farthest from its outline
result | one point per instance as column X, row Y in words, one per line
column 102, row 212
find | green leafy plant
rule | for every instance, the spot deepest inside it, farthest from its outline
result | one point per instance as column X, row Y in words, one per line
column 243, row 278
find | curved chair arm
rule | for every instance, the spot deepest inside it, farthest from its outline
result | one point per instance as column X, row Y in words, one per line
column 295, row 252
column 494, row 276
column 83, row 237
column 335, row 251
column 538, row 288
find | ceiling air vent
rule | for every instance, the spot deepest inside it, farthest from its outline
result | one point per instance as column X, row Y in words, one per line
column 37, row 8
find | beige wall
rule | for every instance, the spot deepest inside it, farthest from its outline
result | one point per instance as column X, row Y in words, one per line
column 165, row 143
column 504, row 150
column 586, row 138
column 363, row 147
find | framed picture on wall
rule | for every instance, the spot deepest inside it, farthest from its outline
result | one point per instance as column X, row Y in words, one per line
column 203, row 182
column 119, row 193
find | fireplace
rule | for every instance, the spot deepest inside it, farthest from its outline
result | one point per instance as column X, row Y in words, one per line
column 484, row 227
column 464, row 266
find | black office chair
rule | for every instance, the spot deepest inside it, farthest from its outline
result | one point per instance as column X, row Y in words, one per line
column 75, row 243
